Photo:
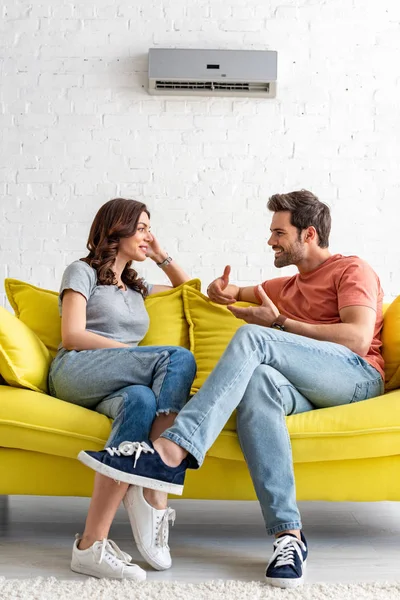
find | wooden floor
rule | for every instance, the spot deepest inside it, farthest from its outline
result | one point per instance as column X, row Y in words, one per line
column 349, row 542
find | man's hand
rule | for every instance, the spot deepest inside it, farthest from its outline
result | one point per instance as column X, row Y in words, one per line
column 217, row 290
column 265, row 314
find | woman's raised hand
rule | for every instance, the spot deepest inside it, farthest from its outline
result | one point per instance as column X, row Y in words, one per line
column 155, row 251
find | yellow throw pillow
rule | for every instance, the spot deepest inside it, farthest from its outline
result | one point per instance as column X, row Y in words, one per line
column 211, row 327
column 24, row 359
column 168, row 325
column 391, row 344
column 38, row 309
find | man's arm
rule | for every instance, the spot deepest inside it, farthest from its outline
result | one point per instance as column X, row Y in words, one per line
column 355, row 331
column 223, row 292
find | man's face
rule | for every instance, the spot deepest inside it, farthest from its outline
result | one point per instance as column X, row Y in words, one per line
column 289, row 248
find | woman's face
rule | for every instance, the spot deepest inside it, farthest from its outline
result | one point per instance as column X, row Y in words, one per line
column 135, row 247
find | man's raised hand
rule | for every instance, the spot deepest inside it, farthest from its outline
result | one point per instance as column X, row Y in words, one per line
column 218, row 290
column 265, row 314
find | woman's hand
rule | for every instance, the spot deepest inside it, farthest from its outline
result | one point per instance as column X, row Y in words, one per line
column 155, row 251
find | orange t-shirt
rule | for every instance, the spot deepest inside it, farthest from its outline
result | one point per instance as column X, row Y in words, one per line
column 317, row 297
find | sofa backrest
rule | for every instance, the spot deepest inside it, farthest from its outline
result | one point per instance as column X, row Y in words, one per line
column 37, row 309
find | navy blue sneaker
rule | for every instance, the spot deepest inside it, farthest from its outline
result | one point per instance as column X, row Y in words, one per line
column 288, row 563
column 137, row 463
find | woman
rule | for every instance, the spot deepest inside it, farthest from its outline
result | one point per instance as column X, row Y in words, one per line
column 100, row 366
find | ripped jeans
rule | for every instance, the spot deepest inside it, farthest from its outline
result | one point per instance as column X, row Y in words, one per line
column 130, row 385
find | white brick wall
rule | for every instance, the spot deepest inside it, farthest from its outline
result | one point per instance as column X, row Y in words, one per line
column 78, row 128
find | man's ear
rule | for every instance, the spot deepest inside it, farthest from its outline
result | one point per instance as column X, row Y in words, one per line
column 311, row 234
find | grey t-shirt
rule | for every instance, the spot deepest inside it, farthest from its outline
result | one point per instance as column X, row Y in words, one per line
column 114, row 313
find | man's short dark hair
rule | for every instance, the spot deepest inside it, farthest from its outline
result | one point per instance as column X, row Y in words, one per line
column 305, row 211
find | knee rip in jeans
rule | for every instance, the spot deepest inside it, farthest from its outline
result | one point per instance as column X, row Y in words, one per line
column 166, row 412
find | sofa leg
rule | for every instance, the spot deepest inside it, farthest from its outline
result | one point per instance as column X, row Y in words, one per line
column 4, row 513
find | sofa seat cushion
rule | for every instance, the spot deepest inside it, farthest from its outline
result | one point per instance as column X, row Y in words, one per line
column 366, row 429
column 33, row 421
column 38, row 422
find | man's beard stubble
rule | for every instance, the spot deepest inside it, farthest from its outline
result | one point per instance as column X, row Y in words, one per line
column 289, row 257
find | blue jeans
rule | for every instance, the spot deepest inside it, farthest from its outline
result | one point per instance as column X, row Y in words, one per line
column 130, row 385
column 267, row 374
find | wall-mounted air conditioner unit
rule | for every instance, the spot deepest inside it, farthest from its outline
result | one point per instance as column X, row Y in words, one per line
column 213, row 72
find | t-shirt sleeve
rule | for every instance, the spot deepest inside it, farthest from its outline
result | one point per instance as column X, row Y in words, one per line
column 358, row 286
column 80, row 277
column 273, row 288
column 148, row 286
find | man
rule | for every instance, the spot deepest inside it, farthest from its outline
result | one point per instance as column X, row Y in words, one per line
column 313, row 341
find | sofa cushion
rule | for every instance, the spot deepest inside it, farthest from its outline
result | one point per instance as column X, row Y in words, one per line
column 211, row 327
column 41, row 423
column 24, row 359
column 367, row 429
column 168, row 325
column 38, row 309
column 391, row 344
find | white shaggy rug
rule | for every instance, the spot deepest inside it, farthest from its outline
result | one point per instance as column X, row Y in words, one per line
column 94, row 589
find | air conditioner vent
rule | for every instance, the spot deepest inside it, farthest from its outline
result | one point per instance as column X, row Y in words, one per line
column 212, row 86
column 189, row 72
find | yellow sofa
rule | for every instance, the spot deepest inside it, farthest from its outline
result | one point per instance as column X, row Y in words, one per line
column 343, row 453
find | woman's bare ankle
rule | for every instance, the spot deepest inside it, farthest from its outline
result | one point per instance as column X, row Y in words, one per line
column 156, row 499
column 170, row 453
column 86, row 542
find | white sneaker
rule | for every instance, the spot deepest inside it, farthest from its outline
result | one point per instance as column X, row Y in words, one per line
column 150, row 528
column 105, row 559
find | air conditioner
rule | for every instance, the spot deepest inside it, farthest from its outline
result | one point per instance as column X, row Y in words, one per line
column 213, row 72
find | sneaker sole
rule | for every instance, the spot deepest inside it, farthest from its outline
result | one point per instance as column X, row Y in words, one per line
column 287, row 583
column 146, row 482
column 147, row 557
column 90, row 573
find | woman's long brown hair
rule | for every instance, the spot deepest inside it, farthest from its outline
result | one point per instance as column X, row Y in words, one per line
column 116, row 219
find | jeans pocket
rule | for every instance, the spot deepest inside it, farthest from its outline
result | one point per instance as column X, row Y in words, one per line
column 368, row 389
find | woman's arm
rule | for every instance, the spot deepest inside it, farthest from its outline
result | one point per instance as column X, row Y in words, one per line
column 73, row 326
column 175, row 274
column 173, row 271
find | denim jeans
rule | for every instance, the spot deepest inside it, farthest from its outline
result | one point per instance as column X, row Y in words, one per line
column 130, row 385
column 267, row 374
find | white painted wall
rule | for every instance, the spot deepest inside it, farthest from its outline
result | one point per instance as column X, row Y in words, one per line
column 79, row 128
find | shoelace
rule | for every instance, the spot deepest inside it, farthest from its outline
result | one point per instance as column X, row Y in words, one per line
column 129, row 448
column 112, row 548
column 285, row 547
column 163, row 527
